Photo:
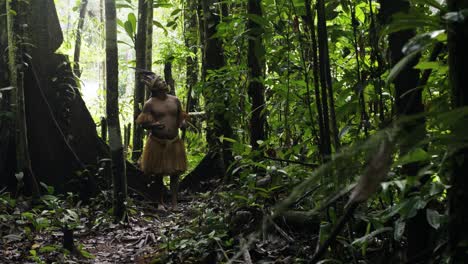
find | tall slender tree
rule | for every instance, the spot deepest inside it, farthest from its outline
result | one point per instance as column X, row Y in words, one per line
column 119, row 178
column 325, row 78
column 191, row 43
column 360, row 83
column 458, row 195
column 79, row 30
column 256, row 63
column 149, row 36
column 141, row 63
column 408, row 101
column 213, row 60
column 201, row 30
column 322, row 109
column 5, row 123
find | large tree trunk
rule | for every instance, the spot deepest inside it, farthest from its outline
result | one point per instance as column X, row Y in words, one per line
column 61, row 131
column 141, row 63
column 119, row 179
column 458, row 195
column 79, row 29
column 58, row 123
column 5, row 121
column 256, row 63
column 408, row 102
column 218, row 125
column 15, row 54
column 217, row 160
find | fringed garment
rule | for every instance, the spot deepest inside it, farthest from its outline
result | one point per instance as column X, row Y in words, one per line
column 162, row 156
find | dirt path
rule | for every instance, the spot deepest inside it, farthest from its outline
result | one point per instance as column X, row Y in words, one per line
column 136, row 242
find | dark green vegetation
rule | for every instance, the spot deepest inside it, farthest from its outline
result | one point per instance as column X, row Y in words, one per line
column 321, row 131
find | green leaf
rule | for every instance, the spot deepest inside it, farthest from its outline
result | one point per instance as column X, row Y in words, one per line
column 259, row 20
column 123, row 42
column 428, row 65
column 399, row 229
column 368, row 237
column 48, row 249
column 435, row 219
column 175, row 12
column 171, row 24
column 129, row 29
column 85, row 253
column 73, row 215
column 28, row 215
column 415, row 155
column 163, row 4
column 404, row 21
column 133, row 20
column 120, row 23
column 421, row 41
column 400, row 66
column 123, row 5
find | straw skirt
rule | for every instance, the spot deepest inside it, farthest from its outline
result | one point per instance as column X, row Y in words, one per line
column 163, row 156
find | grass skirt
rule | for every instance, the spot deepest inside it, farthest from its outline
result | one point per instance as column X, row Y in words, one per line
column 163, row 156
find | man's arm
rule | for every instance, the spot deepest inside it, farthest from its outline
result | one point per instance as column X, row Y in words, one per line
column 145, row 119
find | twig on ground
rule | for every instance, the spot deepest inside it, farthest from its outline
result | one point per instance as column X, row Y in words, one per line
column 281, row 231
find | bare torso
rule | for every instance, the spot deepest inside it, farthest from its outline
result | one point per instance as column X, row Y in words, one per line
column 166, row 114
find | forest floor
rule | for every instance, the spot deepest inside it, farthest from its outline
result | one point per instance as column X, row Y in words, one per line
column 139, row 240
column 136, row 241
column 203, row 229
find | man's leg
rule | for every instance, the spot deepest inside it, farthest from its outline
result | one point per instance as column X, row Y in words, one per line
column 160, row 189
column 174, row 189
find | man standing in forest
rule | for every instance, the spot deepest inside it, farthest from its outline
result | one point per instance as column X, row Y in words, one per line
column 164, row 152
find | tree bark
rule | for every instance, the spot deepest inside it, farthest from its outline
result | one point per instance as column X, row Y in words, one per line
column 79, row 29
column 23, row 160
column 141, row 63
column 149, row 36
column 217, row 123
column 149, row 41
column 408, row 101
column 325, row 77
column 191, row 35
column 201, row 30
column 119, row 178
column 256, row 63
column 5, row 121
column 360, row 83
column 458, row 195
column 324, row 132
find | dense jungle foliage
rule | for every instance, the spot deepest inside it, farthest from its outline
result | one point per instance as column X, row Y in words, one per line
column 319, row 131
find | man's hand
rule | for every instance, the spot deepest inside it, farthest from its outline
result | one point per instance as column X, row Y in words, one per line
column 153, row 126
column 158, row 125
